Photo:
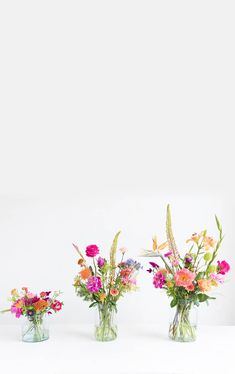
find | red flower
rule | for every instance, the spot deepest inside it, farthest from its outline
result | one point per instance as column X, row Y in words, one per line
column 56, row 305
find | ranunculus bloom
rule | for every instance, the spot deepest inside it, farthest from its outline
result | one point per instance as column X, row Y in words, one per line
column 158, row 280
column 184, row 278
column 56, row 305
column 85, row 273
column 190, row 287
column 114, row 292
column 94, row 284
column 223, row 267
column 204, row 285
column 101, row 261
column 92, row 250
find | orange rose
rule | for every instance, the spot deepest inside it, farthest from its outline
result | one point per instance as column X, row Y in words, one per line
column 40, row 304
column 204, row 285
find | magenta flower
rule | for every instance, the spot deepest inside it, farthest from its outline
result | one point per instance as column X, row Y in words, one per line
column 92, row 250
column 158, row 280
column 16, row 311
column 168, row 254
column 56, row 305
column 93, row 284
column 101, row 261
column 223, row 267
column 154, row 265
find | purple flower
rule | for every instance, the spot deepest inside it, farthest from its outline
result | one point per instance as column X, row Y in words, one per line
column 154, row 265
column 188, row 259
column 93, row 284
column 101, row 261
column 30, row 313
column 92, row 250
column 167, row 254
column 150, row 270
column 17, row 311
column 158, row 280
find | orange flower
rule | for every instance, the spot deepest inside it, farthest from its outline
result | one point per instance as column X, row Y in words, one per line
column 40, row 304
column 81, row 262
column 157, row 247
column 204, row 285
column 194, row 238
column 14, row 292
column 19, row 304
column 85, row 273
column 208, row 242
column 102, row 297
column 114, row 292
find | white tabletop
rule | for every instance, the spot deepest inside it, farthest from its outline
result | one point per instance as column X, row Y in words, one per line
column 141, row 349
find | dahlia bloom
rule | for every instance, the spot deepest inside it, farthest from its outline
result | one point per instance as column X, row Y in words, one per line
column 92, row 250
column 158, row 280
column 94, row 284
column 184, row 278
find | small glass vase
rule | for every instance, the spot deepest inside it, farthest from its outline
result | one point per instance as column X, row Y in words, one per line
column 35, row 329
column 105, row 328
column 183, row 326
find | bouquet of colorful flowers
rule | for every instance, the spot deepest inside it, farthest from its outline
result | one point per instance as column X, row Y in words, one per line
column 34, row 307
column 103, row 282
column 188, row 279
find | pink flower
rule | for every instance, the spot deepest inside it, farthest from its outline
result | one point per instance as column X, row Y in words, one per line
column 93, row 284
column 17, row 311
column 184, row 278
column 223, row 267
column 175, row 262
column 114, row 292
column 158, row 280
column 190, row 287
column 56, row 305
column 92, row 250
column 217, row 277
column 168, row 254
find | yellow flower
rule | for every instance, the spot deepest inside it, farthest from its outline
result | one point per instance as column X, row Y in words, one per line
column 170, row 284
column 157, row 247
column 14, row 292
column 194, row 238
column 102, row 297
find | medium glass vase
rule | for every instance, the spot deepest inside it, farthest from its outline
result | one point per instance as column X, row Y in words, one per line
column 105, row 328
column 35, row 329
column 183, row 326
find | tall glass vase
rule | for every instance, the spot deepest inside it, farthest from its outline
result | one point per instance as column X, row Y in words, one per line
column 35, row 329
column 105, row 328
column 183, row 326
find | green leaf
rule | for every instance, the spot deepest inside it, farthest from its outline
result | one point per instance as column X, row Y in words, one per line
column 202, row 297
column 169, row 234
column 173, row 303
column 93, row 304
column 113, row 251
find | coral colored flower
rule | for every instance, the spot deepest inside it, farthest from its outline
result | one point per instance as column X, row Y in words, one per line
column 92, row 250
column 56, row 305
column 16, row 311
column 102, row 297
column 94, row 284
column 223, row 267
column 114, row 292
column 190, row 287
column 101, row 261
column 125, row 273
column 158, row 280
column 184, row 278
column 40, row 305
column 85, row 273
column 204, row 285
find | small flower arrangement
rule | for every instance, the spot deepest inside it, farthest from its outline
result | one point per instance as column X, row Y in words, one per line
column 34, row 307
column 103, row 282
column 187, row 280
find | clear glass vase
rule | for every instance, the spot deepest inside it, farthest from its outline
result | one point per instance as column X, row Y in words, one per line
column 105, row 328
column 183, row 326
column 35, row 329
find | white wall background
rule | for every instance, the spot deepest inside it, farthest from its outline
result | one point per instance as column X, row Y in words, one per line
column 110, row 110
